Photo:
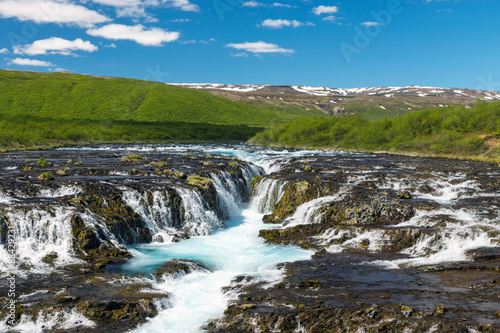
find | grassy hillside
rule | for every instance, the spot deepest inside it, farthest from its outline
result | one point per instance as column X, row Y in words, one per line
column 52, row 109
column 453, row 131
column 71, row 96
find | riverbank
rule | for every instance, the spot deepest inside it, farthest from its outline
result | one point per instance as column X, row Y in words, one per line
column 454, row 131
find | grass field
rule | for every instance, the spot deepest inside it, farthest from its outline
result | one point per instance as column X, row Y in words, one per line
column 456, row 131
column 50, row 109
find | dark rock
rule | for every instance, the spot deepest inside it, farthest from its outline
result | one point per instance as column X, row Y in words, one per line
column 177, row 267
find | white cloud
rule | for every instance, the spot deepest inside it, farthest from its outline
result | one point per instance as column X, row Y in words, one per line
column 260, row 47
column 241, row 55
column 371, row 24
column 330, row 18
column 277, row 4
column 252, row 4
column 50, row 11
column 260, row 4
column 325, row 10
column 30, row 62
column 278, row 24
column 131, row 12
column 184, row 5
column 137, row 33
column 4, row 51
column 119, row 3
column 55, row 45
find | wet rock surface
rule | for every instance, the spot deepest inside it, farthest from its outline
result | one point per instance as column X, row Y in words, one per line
column 178, row 267
column 402, row 245
column 112, row 302
column 73, row 212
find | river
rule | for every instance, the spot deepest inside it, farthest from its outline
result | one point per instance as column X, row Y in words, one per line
column 354, row 226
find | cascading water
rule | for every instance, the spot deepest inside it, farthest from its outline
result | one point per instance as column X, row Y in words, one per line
column 224, row 236
column 158, row 216
column 39, row 233
column 235, row 251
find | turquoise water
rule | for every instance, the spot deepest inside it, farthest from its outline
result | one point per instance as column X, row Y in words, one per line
column 237, row 250
column 198, row 297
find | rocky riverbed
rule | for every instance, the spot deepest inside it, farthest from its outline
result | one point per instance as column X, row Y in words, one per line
column 400, row 244
column 72, row 214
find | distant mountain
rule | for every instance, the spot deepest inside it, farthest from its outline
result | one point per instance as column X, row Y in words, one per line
column 374, row 103
column 416, row 91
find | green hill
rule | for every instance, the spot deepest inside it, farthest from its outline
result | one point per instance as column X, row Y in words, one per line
column 52, row 109
column 71, row 96
column 455, row 131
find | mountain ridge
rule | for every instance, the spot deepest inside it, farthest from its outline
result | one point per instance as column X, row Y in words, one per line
column 372, row 103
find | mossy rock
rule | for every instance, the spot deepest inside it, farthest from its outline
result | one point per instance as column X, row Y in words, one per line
column 200, row 182
column 132, row 158
column 46, row 176
column 180, row 175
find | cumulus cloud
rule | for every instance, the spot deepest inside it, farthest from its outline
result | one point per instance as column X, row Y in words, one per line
column 260, row 47
column 329, row 18
column 137, row 33
column 277, row 4
column 370, row 24
column 49, row 11
column 325, row 10
column 184, row 5
column 278, row 24
column 55, row 45
column 4, row 51
column 30, row 62
column 252, row 4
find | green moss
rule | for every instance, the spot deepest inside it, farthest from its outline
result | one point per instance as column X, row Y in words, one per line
column 42, row 162
column 198, row 181
column 46, row 176
column 132, row 158
column 255, row 180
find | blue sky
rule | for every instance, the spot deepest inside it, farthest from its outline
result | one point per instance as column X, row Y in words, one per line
column 346, row 44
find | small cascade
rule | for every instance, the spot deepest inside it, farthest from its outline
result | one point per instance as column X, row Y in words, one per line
column 99, row 225
column 198, row 218
column 5, row 199
column 61, row 191
column 157, row 215
column 267, row 194
column 38, row 234
column 307, row 213
column 464, row 231
column 64, row 321
column 228, row 196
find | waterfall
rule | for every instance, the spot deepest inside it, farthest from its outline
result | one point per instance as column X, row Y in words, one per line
column 228, row 196
column 308, row 212
column 157, row 216
column 198, row 219
column 61, row 191
column 267, row 194
column 39, row 233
